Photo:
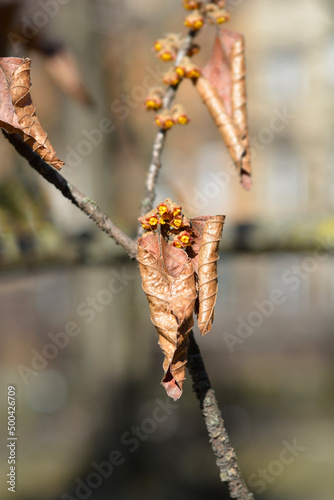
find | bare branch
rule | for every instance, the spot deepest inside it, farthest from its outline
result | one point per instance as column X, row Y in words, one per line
column 86, row 205
column 219, row 438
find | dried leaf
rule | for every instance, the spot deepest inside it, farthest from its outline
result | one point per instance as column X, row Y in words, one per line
column 207, row 272
column 223, row 90
column 169, row 283
column 174, row 254
column 17, row 112
column 223, row 121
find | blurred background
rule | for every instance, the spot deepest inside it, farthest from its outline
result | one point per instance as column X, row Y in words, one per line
column 76, row 341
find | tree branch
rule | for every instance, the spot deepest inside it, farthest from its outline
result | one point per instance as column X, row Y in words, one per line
column 220, row 442
column 86, row 205
column 159, row 142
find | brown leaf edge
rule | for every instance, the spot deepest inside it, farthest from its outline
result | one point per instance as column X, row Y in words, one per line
column 17, row 112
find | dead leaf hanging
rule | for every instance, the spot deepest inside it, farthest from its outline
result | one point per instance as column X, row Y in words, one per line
column 170, row 257
column 223, row 90
column 169, row 283
column 207, row 271
column 17, row 112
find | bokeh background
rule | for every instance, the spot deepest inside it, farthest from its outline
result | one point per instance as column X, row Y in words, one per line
column 270, row 356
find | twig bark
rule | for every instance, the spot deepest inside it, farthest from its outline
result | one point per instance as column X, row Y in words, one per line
column 220, row 442
column 159, row 142
column 81, row 201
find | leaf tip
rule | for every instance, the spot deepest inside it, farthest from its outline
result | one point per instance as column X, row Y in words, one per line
column 172, row 388
column 246, row 181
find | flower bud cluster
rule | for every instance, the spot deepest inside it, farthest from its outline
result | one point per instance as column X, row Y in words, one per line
column 154, row 98
column 214, row 11
column 167, row 47
column 167, row 118
column 174, row 226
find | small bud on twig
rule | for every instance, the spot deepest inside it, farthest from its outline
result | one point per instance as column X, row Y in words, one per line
column 179, row 115
column 194, row 21
column 171, row 77
column 215, row 14
column 164, row 120
column 188, row 69
column 191, row 4
column 154, row 98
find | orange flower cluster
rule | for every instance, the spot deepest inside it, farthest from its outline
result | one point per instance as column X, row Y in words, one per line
column 187, row 69
column 171, row 77
column 195, row 20
column 167, row 47
column 191, row 4
column 154, row 98
column 167, row 118
column 214, row 11
column 164, row 120
column 175, row 227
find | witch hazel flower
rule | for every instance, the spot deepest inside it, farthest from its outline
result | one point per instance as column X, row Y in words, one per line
column 154, row 98
column 164, row 120
column 179, row 115
column 194, row 21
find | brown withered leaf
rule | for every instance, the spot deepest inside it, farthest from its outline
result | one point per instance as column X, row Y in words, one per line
column 17, row 112
column 197, row 226
column 178, row 265
column 223, row 90
column 211, row 235
column 168, row 279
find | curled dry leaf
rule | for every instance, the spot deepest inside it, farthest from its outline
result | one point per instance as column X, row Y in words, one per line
column 169, row 283
column 173, row 268
column 223, row 121
column 207, row 272
column 223, row 90
column 17, row 112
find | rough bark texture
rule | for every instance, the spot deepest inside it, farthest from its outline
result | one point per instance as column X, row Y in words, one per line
column 226, row 458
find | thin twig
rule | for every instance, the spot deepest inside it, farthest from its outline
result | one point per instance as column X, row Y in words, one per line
column 86, row 205
column 220, row 442
column 159, row 142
